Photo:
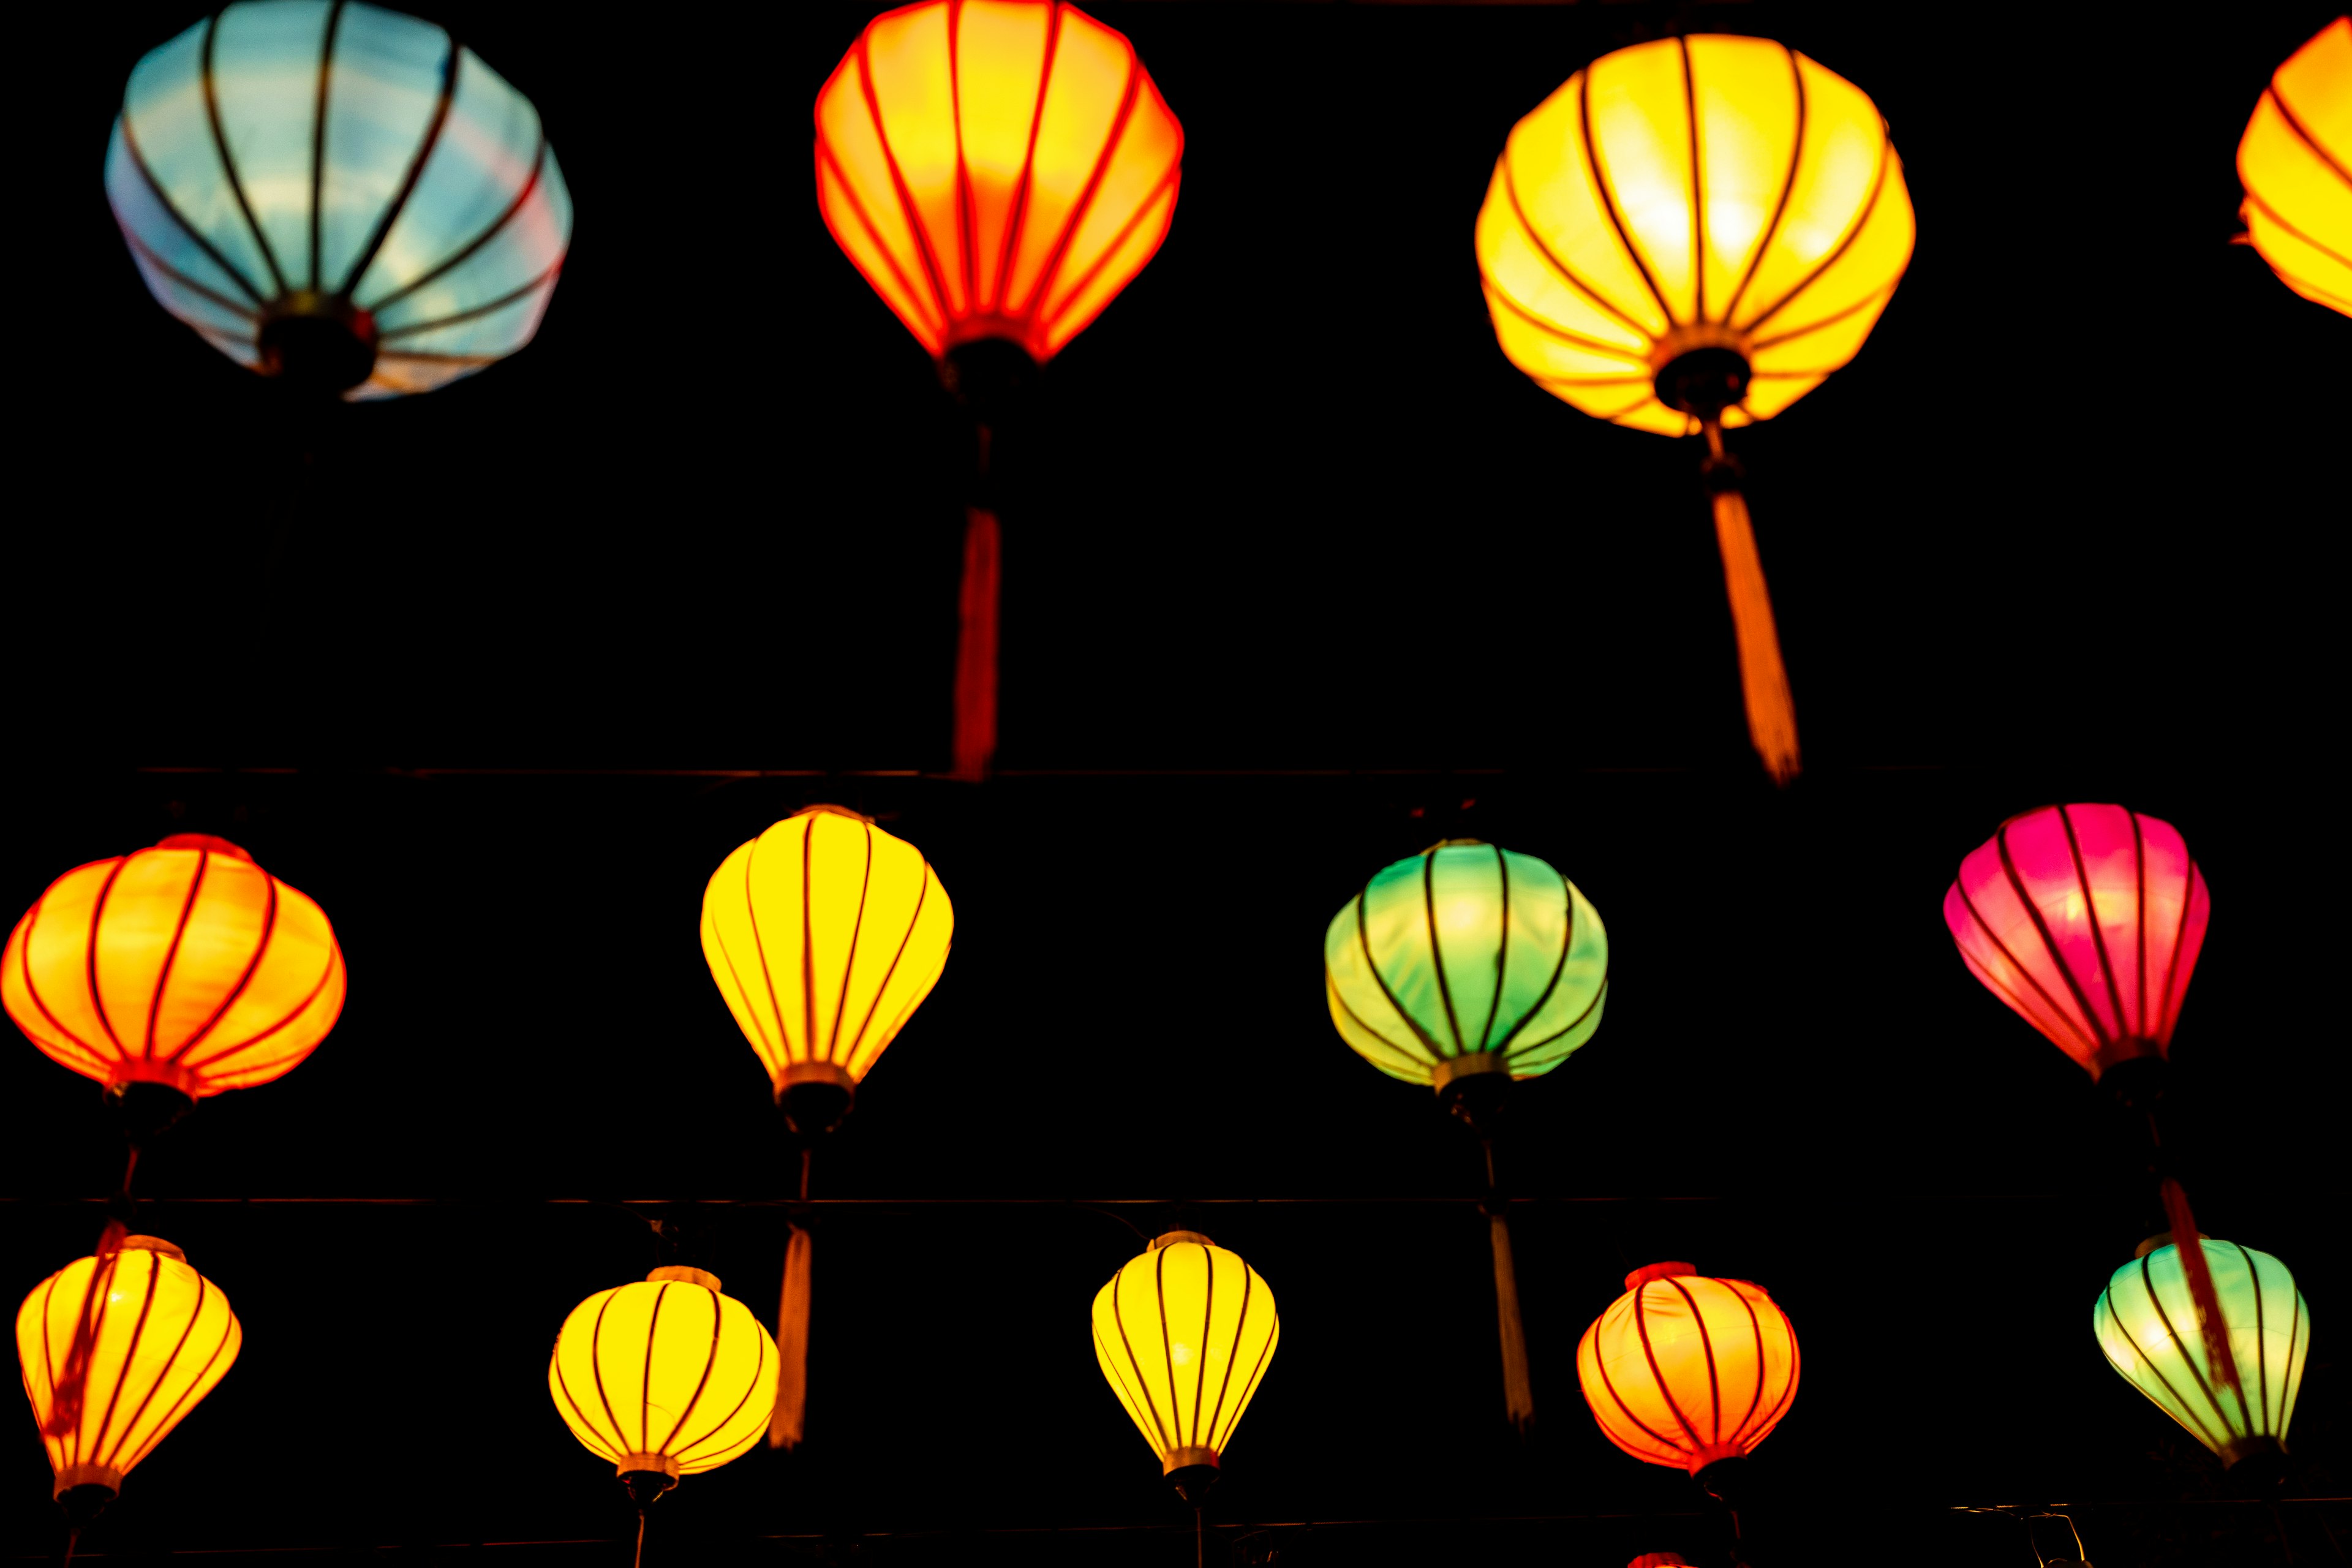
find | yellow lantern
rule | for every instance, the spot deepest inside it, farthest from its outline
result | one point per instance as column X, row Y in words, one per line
column 1689, row 235
column 664, row 1378
column 116, row 1350
column 2295, row 161
column 1183, row 1333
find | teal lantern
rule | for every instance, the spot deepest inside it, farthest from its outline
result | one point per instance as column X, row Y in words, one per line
column 338, row 195
column 1466, row 967
column 2147, row 1323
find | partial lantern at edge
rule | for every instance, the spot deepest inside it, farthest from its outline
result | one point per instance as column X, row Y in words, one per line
column 2087, row 921
column 995, row 168
column 186, row 966
column 2295, row 162
column 339, row 195
column 2146, row 1321
column 1685, row 1370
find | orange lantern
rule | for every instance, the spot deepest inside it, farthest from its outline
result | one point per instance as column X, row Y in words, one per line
column 1689, row 1371
column 998, row 170
column 184, row 967
column 2295, row 161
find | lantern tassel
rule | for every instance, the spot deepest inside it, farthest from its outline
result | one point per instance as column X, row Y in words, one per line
column 1518, row 1394
column 975, row 681
column 785, row 1427
column 1763, row 679
column 2211, row 1324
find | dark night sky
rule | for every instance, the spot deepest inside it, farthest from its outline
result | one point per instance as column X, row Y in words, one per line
column 1284, row 519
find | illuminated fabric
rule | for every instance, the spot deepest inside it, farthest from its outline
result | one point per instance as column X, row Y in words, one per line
column 155, row 1337
column 332, row 159
column 995, row 168
column 2295, row 161
column 1183, row 1334
column 666, row 1374
column 1702, row 192
column 1682, row 1369
column 2147, row 1326
column 185, row 965
column 1465, row 948
column 824, row 935
column 2088, row 921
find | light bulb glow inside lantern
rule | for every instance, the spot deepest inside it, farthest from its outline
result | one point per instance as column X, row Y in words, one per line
column 1183, row 1334
column 1684, row 1371
column 2147, row 1325
column 664, row 1377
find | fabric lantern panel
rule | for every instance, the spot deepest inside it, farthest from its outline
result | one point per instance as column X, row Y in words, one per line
column 1684, row 1371
column 2295, row 162
column 1183, row 1334
column 666, row 1375
column 2146, row 1321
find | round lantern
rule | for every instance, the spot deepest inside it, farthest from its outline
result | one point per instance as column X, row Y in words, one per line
column 339, row 196
column 184, row 967
column 2088, row 921
column 664, row 1378
column 1183, row 1334
column 2147, row 1323
column 116, row 1350
column 2295, row 162
column 1689, row 1371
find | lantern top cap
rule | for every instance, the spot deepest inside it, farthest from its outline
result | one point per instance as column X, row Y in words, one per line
column 1169, row 1238
column 207, row 842
column 691, row 1275
column 1643, row 1276
column 834, row 810
column 152, row 1244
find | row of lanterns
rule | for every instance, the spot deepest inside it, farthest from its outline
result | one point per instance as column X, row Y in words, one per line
column 1686, row 237
column 183, row 970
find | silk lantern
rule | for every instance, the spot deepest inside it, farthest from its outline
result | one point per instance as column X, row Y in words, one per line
column 1183, row 1335
column 998, row 171
column 1466, row 967
column 1689, row 1371
column 338, row 195
column 116, row 1350
column 1687, row 236
column 2295, row 162
column 2146, row 1321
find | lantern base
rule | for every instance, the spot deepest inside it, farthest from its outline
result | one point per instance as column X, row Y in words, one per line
column 145, row 1111
column 1191, row 1471
column 2257, row 1466
column 1724, row 1479
column 84, row 1503
column 988, row 375
column 2136, row 1081
column 1704, row 381
column 1474, row 1088
column 815, row 1097
column 317, row 344
column 647, row 1486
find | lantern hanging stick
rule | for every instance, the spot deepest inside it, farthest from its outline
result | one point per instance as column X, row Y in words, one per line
column 1687, row 236
column 824, row 935
column 2295, row 162
column 1466, row 967
column 998, row 170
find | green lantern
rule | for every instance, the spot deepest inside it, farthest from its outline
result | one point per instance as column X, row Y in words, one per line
column 2147, row 1323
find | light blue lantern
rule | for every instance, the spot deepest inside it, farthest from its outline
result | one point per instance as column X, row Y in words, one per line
column 339, row 195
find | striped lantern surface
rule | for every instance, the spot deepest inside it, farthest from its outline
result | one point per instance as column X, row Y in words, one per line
column 2147, row 1323
column 1682, row 1369
column 666, row 1376
column 1183, row 1334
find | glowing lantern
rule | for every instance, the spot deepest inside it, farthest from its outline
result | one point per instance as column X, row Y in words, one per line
column 2295, row 161
column 1689, row 1371
column 185, row 967
column 664, row 1378
column 2147, row 1323
column 338, row 194
column 1183, row 1334
column 2088, row 921
column 1466, row 967
column 1688, row 235
column 1658, row 1560
column 998, row 170
column 116, row 1350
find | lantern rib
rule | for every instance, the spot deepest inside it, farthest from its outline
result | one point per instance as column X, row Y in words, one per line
column 1870, row 208
column 1019, row 217
column 1566, row 946
column 1698, row 196
column 2140, row 923
column 1658, row 1377
column 1436, row 947
column 646, row 1379
column 2056, row 1012
column 465, row 251
column 1503, row 954
column 760, row 1025
column 760, row 946
column 131, row 1424
column 1609, row 194
column 1167, row 1349
column 2049, row 943
column 718, row 1329
column 1706, row 1345
column 1788, row 1391
column 1110, row 251
column 97, row 997
column 2302, row 133
column 2098, row 935
column 171, row 1417
column 318, row 132
column 252, row 965
column 1788, row 189
column 425, row 150
column 1543, row 249
column 808, row 939
column 857, row 210
column 1200, row 1356
column 114, row 1395
column 24, row 964
column 1876, row 297
column 1572, row 1025
column 759, row 1380
column 1563, row 333
column 2204, row 1386
column 1132, row 1399
column 849, row 965
column 171, row 210
column 962, row 173
column 1273, row 1338
column 1602, row 1369
column 2192, row 885
column 2262, row 1350
column 1756, row 1325
column 70, row 1409
column 220, row 143
column 291, row 1016
column 1333, row 989
column 1241, row 1324
column 2322, row 246
column 183, row 279
column 564, row 1384
column 2287, row 1371
column 500, row 303
column 171, row 953
column 1142, row 1384
column 898, row 183
column 922, row 893
column 1035, row 305
column 596, row 1365
column 1372, row 966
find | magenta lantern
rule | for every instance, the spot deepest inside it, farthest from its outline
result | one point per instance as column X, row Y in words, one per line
column 2086, row 919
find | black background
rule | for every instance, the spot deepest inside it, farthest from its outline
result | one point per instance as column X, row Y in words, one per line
column 1300, row 575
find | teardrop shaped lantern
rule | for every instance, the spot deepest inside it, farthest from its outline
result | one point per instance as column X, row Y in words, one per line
column 1689, row 235
column 181, row 971
column 1183, row 1334
column 339, row 196
column 1466, row 967
column 2147, row 1323
column 116, row 1351
column 998, row 171
column 2295, row 162
column 664, row 1378
column 1689, row 1371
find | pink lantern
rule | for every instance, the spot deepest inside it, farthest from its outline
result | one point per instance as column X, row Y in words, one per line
column 2088, row 921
